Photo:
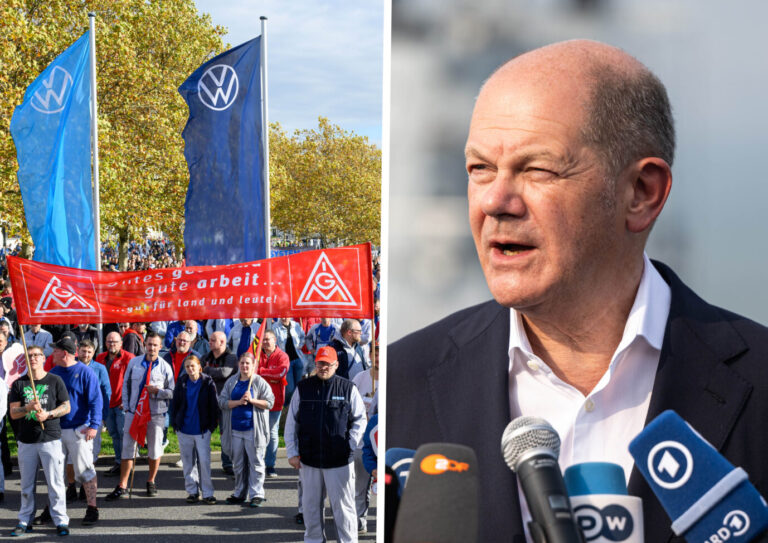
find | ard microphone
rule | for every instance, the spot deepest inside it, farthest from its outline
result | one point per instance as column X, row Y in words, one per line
column 603, row 510
column 530, row 447
column 439, row 505
column 398, row 463
column 707, row 498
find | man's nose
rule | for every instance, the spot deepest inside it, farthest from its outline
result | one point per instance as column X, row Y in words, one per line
column 504, row 196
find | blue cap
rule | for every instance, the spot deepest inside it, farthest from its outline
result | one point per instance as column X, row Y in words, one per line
column 595, row 478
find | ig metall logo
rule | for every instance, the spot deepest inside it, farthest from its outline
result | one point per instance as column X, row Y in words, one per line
column 613, row 522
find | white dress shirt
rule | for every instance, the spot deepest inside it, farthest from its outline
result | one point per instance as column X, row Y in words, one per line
column 598, row 427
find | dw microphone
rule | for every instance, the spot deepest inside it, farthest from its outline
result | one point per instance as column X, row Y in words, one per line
column 603, row 510
column 530, row 447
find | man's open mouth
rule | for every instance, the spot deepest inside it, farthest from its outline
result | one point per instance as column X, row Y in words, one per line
column 511, row 249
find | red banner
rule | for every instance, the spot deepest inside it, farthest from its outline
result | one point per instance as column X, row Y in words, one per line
column 324, row 283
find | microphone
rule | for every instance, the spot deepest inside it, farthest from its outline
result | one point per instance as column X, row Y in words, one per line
column 530, row 447
column 706, row 497
column 439, row 505
column 400, row 461
column 603, row 510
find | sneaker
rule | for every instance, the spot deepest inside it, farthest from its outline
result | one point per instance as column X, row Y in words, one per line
column 62, row 530
column 114, row 470
column 151, row 489
column 43, row 518
column 257, row 502
column 20, row 529
column 299, row 519
column 91, row 516
column 71, row 493
column 235, row 499
column 228, row 470
column 179, row 463
column 271, row 472
column 193, row 498
column 210, row 500
column 81, row 496
column 116, row 494
column 362, row 526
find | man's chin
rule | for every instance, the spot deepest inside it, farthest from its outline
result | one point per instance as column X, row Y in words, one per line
column 512, row 293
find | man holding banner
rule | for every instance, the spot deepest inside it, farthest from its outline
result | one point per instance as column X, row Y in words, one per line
column 38, row 435
column 147, row 390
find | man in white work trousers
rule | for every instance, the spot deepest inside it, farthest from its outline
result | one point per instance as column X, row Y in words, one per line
column 319, row 405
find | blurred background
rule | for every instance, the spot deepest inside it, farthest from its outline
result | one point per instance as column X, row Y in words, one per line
column 710, row 55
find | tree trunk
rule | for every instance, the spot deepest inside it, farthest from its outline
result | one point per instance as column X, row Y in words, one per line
column 26, row 249
column 122, row 243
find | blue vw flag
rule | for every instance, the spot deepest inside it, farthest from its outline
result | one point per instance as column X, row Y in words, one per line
column 51, row 130
column 223, row 213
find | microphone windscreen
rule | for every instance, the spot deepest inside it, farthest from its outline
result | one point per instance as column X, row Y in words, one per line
column 399, row 460
column 603, row 510
column 704, row 495
column 440, row 502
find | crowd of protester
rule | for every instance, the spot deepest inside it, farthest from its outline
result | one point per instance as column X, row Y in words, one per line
column 201, row 377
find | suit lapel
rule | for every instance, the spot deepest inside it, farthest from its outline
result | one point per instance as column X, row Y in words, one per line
column 469, row 389
column 693, row 378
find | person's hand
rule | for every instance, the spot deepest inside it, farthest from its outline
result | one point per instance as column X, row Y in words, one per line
column 373, row 474
column 295, row 462
column 89, row 433
column 247, row 397
column 152, row 389
column 34, row 406
column 42, row 416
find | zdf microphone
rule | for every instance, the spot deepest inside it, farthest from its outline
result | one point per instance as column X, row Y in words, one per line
column 707, row 498
column 530, row 447
column 603, row 510
column 439, row 503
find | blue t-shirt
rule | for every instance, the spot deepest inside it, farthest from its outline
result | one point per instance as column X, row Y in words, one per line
column 84, row 396
column 191, row 424
column 242, row 415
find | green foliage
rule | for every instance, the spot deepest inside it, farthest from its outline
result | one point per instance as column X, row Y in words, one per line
column 325, row 182
column 145, row 50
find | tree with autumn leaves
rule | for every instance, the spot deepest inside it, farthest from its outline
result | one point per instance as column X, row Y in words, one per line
column 326, row 183
column 145, row 50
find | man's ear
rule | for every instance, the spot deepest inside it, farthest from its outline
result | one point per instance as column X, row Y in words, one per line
column 647, row 192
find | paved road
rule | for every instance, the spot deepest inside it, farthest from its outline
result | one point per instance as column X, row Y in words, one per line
column 167, row 517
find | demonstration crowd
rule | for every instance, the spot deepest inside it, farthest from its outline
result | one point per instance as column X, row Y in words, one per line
column 320, row 374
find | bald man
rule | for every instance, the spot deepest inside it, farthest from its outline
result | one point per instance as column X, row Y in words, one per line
column 568, row 159
column 116, row 360
column 220, row 363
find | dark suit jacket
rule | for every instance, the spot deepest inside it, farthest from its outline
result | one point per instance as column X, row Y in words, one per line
column 449, row 383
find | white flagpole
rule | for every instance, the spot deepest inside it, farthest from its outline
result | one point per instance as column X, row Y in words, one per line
column 265, row 135
column 95, row 151
column 95, row 142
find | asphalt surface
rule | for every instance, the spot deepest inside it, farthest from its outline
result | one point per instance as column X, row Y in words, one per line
column 167, row 516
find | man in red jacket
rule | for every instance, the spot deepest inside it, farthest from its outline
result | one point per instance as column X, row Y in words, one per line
column 116, row 359
column 273, row 367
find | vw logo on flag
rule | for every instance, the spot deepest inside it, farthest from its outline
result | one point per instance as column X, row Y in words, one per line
column 218, row 87
column 51, row 97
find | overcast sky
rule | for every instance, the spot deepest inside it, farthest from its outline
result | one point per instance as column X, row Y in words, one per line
column 324, row 58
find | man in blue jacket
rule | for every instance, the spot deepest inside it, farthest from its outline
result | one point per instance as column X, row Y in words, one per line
column 80, row 426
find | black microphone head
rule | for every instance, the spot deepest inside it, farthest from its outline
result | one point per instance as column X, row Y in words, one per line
column 525, row 436
column 439, row 505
